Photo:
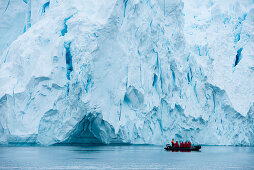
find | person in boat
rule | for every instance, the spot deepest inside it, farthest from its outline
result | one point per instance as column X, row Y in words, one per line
column 189, row 144
column 185, row 144
column 181, row 144
column 177, row 144
column 173, row 143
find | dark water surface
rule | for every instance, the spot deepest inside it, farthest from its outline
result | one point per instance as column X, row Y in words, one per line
column 125, row 157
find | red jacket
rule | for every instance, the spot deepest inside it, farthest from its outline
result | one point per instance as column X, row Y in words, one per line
column 181, row 145
column 189, row 144
column 185, row 144
column 177, row 144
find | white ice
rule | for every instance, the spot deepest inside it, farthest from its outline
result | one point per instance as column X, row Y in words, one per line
column 127, row 71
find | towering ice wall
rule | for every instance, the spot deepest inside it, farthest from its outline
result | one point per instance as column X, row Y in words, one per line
column 220, row 37
column 12, row 14
column 131, row 71
column 17, row 16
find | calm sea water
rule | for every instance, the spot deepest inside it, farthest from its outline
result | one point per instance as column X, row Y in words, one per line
column 124, row 157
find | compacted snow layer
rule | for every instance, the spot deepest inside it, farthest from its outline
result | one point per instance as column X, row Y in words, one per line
column 130, row 71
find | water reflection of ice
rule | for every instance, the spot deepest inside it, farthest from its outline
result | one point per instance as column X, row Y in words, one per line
column 124, row 157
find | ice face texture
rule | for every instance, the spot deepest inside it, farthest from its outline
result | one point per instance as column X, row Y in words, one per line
column 130, row 71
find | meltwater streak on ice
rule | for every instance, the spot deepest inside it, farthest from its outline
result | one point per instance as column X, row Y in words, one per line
column 129, row 72
column 125, row 157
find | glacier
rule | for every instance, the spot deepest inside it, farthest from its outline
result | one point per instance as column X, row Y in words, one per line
column 127, row 71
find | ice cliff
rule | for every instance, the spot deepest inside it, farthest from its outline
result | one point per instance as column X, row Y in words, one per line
column 127, row 71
